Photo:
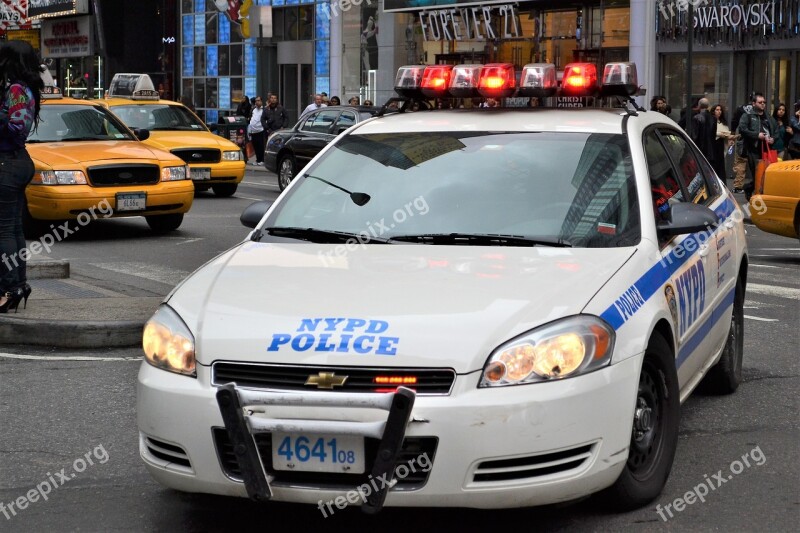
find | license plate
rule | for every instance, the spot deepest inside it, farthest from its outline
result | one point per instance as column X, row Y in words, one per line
column 200, row 174
column 132, row 201
column 318, row 453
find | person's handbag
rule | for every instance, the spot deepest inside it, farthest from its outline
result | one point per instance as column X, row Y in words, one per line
column 768, row 154
column 249, row 150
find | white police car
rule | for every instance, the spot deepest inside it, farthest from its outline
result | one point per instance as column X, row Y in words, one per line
column 469, row 308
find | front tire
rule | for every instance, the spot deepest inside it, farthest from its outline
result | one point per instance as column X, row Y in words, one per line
column 654, row 434
column 223, row 190
column 164, row 223
column 726, row 375
column 286, row 170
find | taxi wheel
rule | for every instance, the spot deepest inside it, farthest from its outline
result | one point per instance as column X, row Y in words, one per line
column 223, row 190
column 726, row 375
column 164, row 223
column 285, row 171
column 654, row 434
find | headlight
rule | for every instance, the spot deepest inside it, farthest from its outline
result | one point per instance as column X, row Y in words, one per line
column 59, row 177
column 566, row 348
column 173, row 173
column 168, row 344
column 233, row 155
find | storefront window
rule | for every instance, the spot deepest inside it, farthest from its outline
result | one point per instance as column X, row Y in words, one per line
column 710, row 79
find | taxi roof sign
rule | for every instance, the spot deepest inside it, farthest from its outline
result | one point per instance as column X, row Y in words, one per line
column 133, row 86
column 49, row 91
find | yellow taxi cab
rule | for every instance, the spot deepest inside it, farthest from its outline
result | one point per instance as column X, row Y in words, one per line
column 775, row 206
column 90, row 165
column 214, row 162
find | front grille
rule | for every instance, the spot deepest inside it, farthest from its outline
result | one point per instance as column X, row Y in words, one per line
column 413, row 448
column 198, row 155
column 108, row 175
column 275, row 377
column 167, row 452
column 532, row 466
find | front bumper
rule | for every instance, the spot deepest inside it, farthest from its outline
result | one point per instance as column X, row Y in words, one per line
column 777, row 214
column 497, row 448
column 222, row 172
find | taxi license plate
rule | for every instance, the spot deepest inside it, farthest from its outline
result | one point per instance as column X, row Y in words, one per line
column 318, row 453
column 200, row 174
column 131, row 201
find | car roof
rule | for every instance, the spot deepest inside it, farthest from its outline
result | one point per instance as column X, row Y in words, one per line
column 507, row 119
column 67, row 100
column 130, row 101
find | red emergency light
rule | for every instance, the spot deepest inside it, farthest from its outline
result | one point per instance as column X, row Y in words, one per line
column 580, row 79
column 498, row 80
column 436, row 80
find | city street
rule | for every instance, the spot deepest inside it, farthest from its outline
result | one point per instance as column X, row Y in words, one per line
column 70, row 416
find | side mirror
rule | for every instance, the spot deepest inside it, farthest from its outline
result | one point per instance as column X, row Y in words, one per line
column 254, row 212
column 686, row 218
column 141, row 133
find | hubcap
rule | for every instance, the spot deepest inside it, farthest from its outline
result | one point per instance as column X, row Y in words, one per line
column 645, row 437
column 286, row 172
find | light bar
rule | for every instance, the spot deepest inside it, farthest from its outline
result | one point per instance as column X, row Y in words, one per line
column 539, row 80
column 436, row 80
column 619, row 79
column 580, row 79
column 464, row 81
column 408, row 81
column 498, row 80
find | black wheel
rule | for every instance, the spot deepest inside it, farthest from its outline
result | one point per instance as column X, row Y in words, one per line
column 654, row 434
column 223, row 190
column 285, row 171
column 200, row 188
column 725, row 376
column 164, row 223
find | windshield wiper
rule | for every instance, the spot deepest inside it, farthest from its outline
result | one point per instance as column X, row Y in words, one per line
column 480, row 239
column 322, row 235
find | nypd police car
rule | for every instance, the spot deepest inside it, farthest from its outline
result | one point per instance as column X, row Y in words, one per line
column 483, row 308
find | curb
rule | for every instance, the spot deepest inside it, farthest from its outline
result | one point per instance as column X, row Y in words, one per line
column 48, row 269
column 71, row 333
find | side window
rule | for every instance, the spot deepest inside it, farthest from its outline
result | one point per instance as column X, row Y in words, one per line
column 346, row 119
column 323, row 121
column 308, row 125
column 664, row 184
column 688, row 166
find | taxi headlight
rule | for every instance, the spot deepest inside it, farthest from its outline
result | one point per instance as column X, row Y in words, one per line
column 168, row 344
column 173, row 173
column 59, row 177
column 562, row 349
column 232, row 155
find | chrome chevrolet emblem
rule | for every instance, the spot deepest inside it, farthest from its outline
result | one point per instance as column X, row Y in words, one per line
column 326, row 380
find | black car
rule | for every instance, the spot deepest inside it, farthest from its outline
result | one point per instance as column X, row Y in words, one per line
column 291, row 149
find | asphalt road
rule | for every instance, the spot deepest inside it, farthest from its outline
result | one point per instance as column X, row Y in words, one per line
column 60, row 410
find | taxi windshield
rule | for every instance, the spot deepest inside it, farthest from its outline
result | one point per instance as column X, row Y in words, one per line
column 158, row 117
column 64, row 123
column 480, row 188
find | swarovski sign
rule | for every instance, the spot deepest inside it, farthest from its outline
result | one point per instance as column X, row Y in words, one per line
column 720, row 16
column 470, row 23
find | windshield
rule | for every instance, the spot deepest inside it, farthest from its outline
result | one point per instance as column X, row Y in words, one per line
column 573, row 189
column 157, row 117
column 77, row 123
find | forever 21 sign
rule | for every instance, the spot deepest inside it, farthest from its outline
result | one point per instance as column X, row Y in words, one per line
column 470, row 23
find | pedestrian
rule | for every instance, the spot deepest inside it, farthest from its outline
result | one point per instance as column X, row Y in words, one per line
column 659, row 104
column 534, row 101
column 723, row 140
column 274, row 116
column 783, row 133
column 368, row 103
column 354, row 100
column 255, row 129
column 704, row 129
column 758, row 131
column 313, row 106
column 245, row 108
column 739, row 160
column 334, row 101
column 19, row 113
column 324, row 96
column 793, row 148
column 685, row 112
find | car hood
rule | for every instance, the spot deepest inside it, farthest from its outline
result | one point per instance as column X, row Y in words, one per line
column 411, row 305
column 57, row 154
column 169, row 140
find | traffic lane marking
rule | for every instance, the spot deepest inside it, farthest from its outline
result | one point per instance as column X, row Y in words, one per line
column 27, row 357
column 769, row 290
column 761, row 319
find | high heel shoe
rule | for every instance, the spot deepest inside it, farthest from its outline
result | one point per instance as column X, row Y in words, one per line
column 26, row 291
column 13, row 298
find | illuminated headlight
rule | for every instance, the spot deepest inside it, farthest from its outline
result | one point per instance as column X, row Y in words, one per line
column 59, row 177
column 232, row 155
column 563, row 349
column 168, row 344
column 173, row 173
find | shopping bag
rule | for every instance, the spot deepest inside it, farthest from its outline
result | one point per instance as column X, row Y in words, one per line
column 767, row 154
column 758, row 177
column 249, row 150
